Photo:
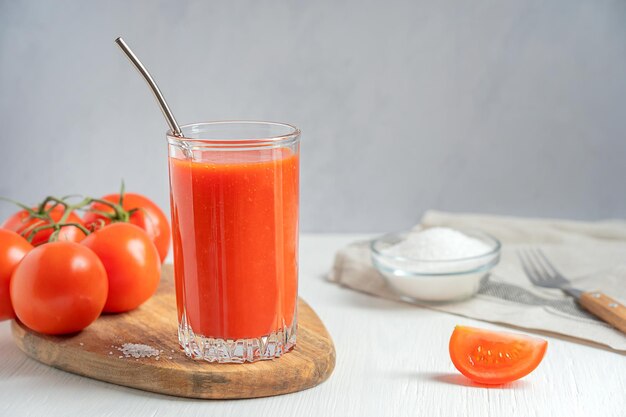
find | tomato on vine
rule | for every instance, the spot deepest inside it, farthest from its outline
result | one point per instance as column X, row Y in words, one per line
column 131, row 262
column 13, row 248
column 125, row 242
column 59, row 288
column 136, row 209
column 36, row 224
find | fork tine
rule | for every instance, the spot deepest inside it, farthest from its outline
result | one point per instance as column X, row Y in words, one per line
column 542, row 271
column 547, row 263
column 528, row 267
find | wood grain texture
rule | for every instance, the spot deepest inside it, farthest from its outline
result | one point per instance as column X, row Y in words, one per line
column 603, row 306
column 94, row 353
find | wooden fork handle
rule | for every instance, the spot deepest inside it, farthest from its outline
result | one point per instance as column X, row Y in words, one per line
column 605, row 307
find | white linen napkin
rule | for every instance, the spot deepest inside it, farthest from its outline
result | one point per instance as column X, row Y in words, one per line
column 591, row 254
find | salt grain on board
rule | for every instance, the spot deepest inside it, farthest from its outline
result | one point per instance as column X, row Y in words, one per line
column 137, row 350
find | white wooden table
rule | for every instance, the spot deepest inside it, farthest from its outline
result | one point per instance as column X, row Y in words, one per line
column 392, row 360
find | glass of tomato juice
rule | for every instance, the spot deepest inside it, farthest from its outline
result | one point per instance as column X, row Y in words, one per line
column 234, row 191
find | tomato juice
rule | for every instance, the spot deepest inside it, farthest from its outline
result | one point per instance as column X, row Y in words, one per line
column 235, row 233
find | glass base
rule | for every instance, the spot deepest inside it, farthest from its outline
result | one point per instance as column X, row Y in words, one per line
column 211, row 349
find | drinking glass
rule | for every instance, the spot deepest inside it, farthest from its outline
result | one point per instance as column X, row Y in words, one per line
column 234, row 193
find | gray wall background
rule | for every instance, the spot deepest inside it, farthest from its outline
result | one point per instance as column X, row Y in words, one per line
column 512, row 107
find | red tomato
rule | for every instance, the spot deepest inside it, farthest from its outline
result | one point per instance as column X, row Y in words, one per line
column 59, row 288
column 132, row 264
column 149, row 217
column 494, row 358
column 13, row 247
column 21, row 221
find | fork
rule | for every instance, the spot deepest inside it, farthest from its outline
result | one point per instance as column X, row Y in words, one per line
column 542, row 273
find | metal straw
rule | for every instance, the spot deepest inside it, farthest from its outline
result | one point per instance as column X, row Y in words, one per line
column 171, row 121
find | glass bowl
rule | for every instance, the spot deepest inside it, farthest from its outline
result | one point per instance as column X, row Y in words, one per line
column 435, row 281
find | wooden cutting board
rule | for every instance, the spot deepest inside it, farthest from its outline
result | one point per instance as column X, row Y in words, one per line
column 94, row 353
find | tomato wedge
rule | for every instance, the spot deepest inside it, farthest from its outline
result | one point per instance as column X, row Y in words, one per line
column 494, row 358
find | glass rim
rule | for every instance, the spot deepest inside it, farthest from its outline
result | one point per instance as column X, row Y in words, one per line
column 259, row 140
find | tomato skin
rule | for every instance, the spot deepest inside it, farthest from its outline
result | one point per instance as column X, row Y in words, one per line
column 59, row 288
column 132, row 264
column 149, row 217
column 13, row 248
column 494, row 358
column 21, row 221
